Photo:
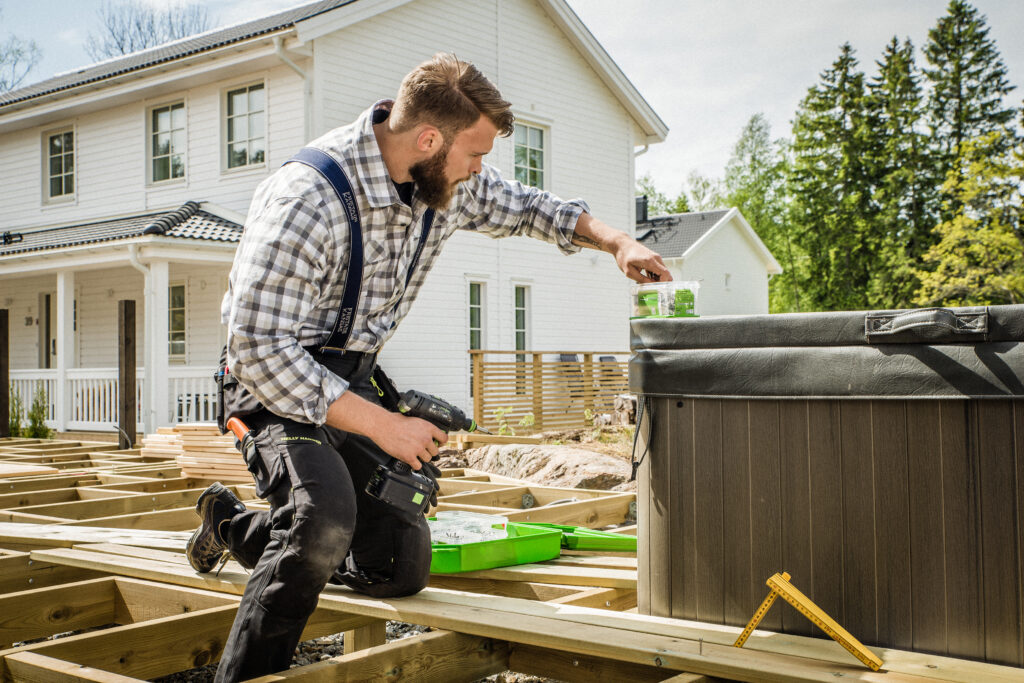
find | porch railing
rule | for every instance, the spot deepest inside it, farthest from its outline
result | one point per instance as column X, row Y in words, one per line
column 94, row 394
column 25, row 384
column 550, row 389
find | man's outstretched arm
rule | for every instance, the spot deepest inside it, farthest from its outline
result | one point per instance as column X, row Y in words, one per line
column 634, row 259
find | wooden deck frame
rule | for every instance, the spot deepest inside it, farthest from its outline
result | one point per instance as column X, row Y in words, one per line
column 667, row 644
column 563, row 619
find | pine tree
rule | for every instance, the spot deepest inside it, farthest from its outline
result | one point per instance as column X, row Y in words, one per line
column 979, row 258
column 755, row 184
column 829, row 184
column 902, row 193
column 968, row 83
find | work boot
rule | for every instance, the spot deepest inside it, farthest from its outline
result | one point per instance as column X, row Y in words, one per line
column 216, row 506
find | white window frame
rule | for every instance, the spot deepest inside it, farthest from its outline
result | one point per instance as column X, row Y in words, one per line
column 45, row 142
column 176, row 357
column 150, row 133
column 544, row 149
column 482, row 305
column 527, row 314
column 225, row 143
column 482, row 284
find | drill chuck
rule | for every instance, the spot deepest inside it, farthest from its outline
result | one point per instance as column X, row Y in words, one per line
column 441, row 414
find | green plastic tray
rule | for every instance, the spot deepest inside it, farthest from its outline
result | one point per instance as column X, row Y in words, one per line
column 582, row 538
column 525, row 543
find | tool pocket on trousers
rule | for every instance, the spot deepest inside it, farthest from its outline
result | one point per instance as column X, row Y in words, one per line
column 264, row 461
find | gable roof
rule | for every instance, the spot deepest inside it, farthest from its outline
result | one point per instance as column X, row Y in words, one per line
column 187, row 222
column 680, row 235
column 171, row 51
column 672, row 235
column 654, row 129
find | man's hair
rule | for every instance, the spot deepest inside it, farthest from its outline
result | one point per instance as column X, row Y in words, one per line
column 451, row 95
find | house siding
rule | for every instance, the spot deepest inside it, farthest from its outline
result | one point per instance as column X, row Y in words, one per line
column 728, row 251
column 97, row 293
column 577, row 303
column 111, row 156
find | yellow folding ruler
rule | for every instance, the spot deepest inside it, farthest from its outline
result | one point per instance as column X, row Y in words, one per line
column 780, row 585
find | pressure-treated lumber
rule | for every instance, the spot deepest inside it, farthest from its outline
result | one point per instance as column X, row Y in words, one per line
column 437, row 657
column 617, row 599
column 38, row 613
column 365, row 637
column 553, row 626
column 12, row 469
column 167, row 645
column 575, row 668
column 57, row 535
column 18, row 572
column 31, row 667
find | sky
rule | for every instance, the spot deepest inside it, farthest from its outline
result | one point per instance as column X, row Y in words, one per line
column 705, row 66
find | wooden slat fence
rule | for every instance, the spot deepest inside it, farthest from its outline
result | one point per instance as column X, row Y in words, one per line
column 558, row 388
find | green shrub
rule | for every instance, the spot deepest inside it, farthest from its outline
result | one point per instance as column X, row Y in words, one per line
column 16, row 409
column 37, row 428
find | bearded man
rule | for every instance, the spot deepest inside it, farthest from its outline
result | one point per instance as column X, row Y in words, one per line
column 302, row 346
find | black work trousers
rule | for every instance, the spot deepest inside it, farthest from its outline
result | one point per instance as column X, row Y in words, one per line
column 322, row 526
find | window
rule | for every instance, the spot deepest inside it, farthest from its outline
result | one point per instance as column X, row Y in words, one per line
column 176, row 322
column 476, row 322
column 529, row 149
column 521, row 302
column 245, row 126
column 60, row 164
column 476, row 315
column 167, row 142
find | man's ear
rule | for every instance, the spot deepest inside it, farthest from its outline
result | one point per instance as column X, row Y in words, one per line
column 429, row 139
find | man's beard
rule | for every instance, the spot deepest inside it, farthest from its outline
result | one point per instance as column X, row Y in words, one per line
column 431, row 184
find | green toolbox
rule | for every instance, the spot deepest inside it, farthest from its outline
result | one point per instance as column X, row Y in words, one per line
column 525, row 543
column 582, row 538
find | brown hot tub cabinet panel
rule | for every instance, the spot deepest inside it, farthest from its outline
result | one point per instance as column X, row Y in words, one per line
column 878, row 458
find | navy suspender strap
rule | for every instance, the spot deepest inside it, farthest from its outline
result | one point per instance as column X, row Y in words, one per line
column 325, row 164
column 331, row 170
column 428, row 220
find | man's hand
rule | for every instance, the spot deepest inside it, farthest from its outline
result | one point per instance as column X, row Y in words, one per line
column 409, row 439
column 634, row 259
column 640, row 263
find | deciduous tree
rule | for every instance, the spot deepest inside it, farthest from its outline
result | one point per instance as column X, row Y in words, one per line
column 130, row 26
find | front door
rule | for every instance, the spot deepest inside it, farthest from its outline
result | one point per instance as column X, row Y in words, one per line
column 48, row 330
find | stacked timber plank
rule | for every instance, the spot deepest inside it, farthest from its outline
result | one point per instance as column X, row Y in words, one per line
column 164, row 444
column 208, row 454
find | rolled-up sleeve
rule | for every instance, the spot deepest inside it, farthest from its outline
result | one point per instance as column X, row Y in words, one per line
column 275, row 283
column 493, row 206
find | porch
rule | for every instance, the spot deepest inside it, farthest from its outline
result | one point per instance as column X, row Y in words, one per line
column 87, row 399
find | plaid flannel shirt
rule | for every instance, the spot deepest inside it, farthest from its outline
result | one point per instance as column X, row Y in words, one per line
column 289, row 271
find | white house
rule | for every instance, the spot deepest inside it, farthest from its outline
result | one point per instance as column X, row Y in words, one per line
column 130, row 178
column 718, row 249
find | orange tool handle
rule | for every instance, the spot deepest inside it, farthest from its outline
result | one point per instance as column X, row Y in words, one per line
column 237, row 428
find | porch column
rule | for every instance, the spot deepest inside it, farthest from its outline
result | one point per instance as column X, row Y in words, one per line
column 65, row 345
column 156, row 371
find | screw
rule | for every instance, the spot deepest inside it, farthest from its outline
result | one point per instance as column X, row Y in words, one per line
column 658, row 662
column 575, row 662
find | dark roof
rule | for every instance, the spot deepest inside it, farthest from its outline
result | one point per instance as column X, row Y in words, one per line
column 672, row 235
column 187, row 221
column 171, row 51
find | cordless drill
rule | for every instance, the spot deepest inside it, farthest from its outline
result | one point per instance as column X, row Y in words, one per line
column 395, row 482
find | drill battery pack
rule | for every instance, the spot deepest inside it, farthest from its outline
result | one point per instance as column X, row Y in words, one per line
column 407, row 490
